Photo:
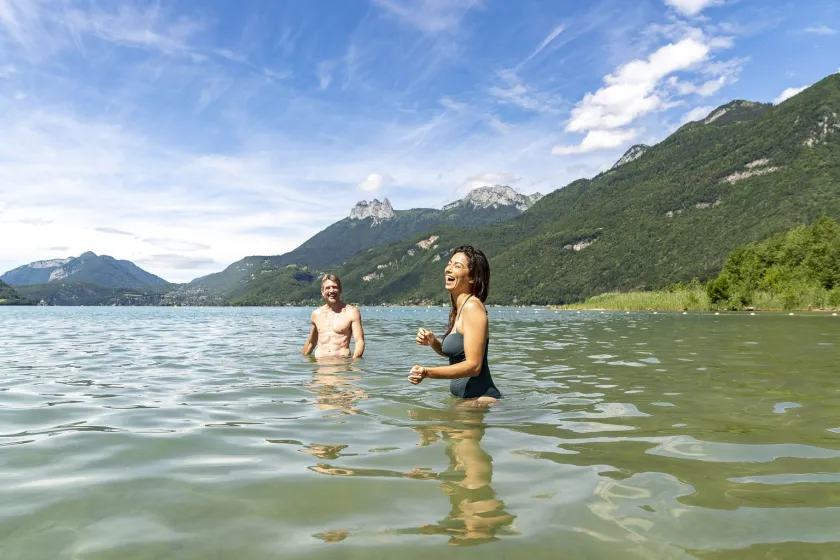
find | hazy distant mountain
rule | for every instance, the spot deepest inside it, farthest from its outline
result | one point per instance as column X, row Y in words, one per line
column 86, row 268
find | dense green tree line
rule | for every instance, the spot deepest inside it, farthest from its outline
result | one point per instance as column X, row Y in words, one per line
column 803, row 263
column 8, row 296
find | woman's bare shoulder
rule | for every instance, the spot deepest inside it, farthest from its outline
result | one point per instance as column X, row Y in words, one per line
column 474, row 305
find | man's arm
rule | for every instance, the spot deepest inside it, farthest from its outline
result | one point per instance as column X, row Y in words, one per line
column 358, row 334
column 312, row 341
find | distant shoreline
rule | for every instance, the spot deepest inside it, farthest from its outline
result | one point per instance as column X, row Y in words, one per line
column 693, row 299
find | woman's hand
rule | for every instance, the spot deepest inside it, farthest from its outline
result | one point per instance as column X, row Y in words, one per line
column 425, row 338
column 417, row 374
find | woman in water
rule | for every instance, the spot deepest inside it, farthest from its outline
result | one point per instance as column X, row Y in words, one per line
column 467, row 278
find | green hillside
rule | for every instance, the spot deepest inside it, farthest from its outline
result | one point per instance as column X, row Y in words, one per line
column 8, row 296
column 82, row 293
column 673, row 214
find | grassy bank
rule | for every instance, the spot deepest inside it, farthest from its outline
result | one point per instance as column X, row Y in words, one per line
column 697, row 299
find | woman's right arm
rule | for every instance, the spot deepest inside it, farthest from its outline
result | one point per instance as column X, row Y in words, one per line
column 428, row 338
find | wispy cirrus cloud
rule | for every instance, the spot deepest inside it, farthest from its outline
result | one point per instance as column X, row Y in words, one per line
column 429, row 16
column 176, row 262
column 820, row 30
column 513, row 90
column 113, row 231
column 175, row 244
column 544, row 43
column 692, row 7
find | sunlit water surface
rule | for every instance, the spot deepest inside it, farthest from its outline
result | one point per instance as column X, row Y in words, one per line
column 139, row 433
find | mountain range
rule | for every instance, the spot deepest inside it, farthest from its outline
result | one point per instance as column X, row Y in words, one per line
column 666, row 213
column 370, row 224
column 88, row 268
column 663, row 213
column 88, row 279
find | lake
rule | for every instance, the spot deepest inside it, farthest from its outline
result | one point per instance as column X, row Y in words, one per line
column 141, row 433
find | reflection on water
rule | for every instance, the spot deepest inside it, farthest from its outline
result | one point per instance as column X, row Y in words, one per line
column 334, row 384
column 477, row 515
column 141, row 433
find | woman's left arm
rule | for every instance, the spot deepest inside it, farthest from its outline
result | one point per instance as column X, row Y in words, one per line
column 474, row 326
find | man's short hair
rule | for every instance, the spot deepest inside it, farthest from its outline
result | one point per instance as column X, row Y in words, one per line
column 332, row 277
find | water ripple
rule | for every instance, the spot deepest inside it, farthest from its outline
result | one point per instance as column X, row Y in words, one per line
column 198, row 432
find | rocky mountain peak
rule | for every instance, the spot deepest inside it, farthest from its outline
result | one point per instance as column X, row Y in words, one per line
column 499, row 195
column 52, row 263
column 736, row 111
column 379, row 211
column 635, row 152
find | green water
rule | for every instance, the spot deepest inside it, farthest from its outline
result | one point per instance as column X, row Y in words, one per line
column 145, row 433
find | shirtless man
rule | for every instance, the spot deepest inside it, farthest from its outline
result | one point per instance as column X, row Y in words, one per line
column 333, row 324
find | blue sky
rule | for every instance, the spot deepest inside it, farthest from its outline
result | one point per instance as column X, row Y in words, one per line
column 186, row 135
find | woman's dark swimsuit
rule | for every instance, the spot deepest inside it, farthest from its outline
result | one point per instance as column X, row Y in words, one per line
column 468, row 387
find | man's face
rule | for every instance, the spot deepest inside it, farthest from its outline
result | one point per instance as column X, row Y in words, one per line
column 330, row 291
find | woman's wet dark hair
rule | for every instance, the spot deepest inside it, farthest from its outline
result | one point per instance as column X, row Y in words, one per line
column 479, row 273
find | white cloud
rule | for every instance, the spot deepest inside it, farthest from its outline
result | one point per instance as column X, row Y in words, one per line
column 821, row 30
column 692, row 7
column 653, row 84
column 696, row 114
column 7, row 70
column 374, row 182
column 597, row 140
column 630, row 92
column 430, row 16
column 788, row 93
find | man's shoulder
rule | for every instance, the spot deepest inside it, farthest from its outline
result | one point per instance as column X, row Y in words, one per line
column 353, row 310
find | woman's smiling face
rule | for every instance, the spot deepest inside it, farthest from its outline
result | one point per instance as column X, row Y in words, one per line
column 457, row 274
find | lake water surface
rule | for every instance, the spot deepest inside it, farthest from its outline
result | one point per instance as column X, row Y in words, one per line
column 140, row 433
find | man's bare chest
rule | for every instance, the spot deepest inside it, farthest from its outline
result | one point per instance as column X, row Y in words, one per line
column 334, row 322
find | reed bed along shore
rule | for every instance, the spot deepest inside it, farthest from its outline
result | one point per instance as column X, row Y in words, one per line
column 696, row 299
